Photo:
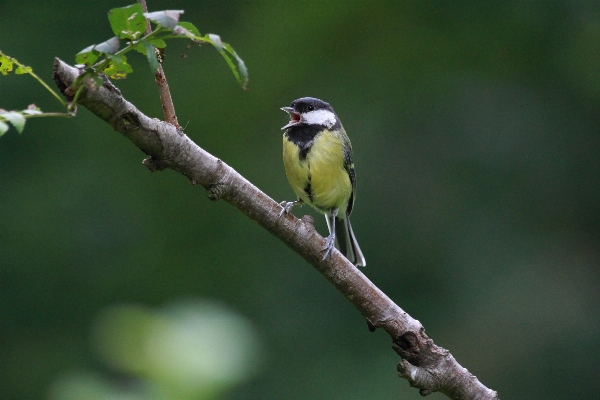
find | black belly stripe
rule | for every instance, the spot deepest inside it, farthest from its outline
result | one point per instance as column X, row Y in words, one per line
column 308, row 188
column 308, row 191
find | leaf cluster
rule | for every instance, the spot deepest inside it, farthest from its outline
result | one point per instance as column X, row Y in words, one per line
column 129, row 25
column 18, row 118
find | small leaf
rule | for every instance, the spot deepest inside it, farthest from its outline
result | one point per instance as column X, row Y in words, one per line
column 23, row 70
column 16, row 119
column 158, row 43
column 90, row 54
column 87, row 56
column 240, row 65
column 6, row 65
column 118, row 67
column 111, row 46
column 3, row 128
column 127, row 22
column 239, row 71
column 167, row 18
column 188, row 27
column 141, row 45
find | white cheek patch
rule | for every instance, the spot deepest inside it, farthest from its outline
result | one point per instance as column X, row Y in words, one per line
column 319, row 117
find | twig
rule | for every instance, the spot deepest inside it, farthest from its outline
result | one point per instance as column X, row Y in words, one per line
column 424, row 364
column 161, row 80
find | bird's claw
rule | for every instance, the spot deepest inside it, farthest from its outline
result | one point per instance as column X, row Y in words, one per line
column 287, row 207
column 329, row 245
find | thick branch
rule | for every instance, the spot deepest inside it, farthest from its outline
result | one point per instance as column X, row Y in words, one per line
column 425, row 365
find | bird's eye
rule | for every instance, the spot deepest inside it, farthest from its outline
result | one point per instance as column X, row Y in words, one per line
column 311, row 107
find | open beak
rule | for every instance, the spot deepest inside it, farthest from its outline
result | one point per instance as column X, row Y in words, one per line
column 295, row 118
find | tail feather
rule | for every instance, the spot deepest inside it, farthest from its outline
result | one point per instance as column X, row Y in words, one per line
column 345, row 240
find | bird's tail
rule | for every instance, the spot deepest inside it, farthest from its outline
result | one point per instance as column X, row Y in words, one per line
column 345, row 240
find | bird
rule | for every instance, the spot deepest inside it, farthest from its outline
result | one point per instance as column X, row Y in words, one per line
column 317, row 156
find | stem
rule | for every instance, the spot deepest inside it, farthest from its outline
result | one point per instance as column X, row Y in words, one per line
column 161, row 79
column 75, row 98
column 30, row 72
column 52, row 114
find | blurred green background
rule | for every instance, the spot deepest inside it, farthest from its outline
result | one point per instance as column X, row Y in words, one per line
column 476, row 135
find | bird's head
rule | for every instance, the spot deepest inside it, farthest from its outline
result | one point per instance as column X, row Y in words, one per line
column 310, row 111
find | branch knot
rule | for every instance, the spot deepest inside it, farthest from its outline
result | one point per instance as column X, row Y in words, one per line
column 215, row 192
column 127, row 122
column 154, row 164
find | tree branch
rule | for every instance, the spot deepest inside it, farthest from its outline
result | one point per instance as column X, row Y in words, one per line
column 425, row 365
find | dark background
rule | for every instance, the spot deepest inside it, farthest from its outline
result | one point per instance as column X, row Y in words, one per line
column 475, row 128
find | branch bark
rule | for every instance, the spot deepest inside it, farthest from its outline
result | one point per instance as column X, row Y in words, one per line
column 425, row 365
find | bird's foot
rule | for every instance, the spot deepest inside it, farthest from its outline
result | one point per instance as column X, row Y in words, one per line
column 287, row 206
column 329, row 245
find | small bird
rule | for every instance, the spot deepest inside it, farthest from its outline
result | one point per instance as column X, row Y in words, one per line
column 317, row 156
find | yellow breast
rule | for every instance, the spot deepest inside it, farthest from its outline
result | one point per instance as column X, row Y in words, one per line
column 320, row 178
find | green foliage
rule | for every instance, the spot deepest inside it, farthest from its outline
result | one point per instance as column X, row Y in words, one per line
column 118, row 68
column 129, row 24
column 7, row 64
column 90, row 54
column 18, row 118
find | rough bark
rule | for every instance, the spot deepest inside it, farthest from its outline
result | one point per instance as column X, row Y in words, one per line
column 425, row 365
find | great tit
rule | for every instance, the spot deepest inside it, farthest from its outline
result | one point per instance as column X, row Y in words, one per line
column 317, row 156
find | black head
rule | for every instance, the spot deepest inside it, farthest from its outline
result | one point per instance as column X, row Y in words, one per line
column 310, row 111
column 307, row 104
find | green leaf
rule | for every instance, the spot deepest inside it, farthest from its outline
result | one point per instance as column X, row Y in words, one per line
column 15, row 118
column 241, row 66
column 127, row 22
column 167, row 18
column 3, row 128
column 188, row 27
column 151, row 54
column 90, row 54
column 158, row 43
column 118, row 67
column 87, row 56
column 23, row 70
column 239, row 71
column 141, row 45
column 6, row 65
